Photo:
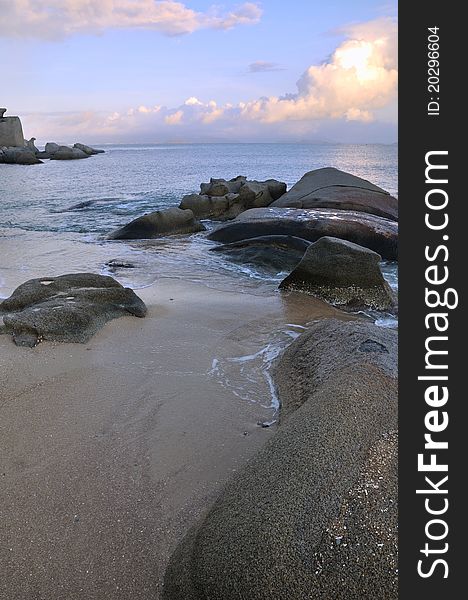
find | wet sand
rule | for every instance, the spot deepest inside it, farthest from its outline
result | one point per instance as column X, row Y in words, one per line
column 111, row 450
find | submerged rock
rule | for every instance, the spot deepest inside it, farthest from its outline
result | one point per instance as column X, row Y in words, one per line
column 314, row 514
column 370, row 231
column 170, row 221
column 280, row 252
column 223, row 200
column 332, row 188
column 68, row 308
column 342, row 273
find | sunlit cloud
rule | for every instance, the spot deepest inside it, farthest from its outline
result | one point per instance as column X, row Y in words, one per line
column 55, row 19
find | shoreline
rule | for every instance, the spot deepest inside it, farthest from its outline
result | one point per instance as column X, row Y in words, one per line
column 114, row 448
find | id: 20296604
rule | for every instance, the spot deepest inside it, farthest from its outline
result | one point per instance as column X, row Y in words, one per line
column 433, row 71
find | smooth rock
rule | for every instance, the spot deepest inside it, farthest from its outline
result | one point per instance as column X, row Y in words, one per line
column 370, row 231
column 314, row 514
column 68, row 308
column 332, row 188
column 67, row 153
column 342, row 273
column 170, row 221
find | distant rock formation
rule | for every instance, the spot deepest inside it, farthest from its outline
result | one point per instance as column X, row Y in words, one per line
column 11, row 131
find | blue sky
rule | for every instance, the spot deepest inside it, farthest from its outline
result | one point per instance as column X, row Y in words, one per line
column 123, row 75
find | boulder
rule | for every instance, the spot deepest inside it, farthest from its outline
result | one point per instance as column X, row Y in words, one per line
column 254, row 194
column 67, row 153
column 314, row 514
column 370, row 231
column 342, row 273
column 88, row 149
column 68, row 308
column 51, row 148
column 170, row 221
column 18, row 156
column 332, row 188
column 212, row 207
column 277, row 252
column 11, row 131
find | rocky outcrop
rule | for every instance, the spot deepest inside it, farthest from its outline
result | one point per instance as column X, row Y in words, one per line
column 18, row 156
column 342, row 273
column 370, row 231
column 88, row 149
column 170, row 221
column 332, row 188
column 221, row 199
column 277, row 252
column 55, row 151
column 11, row 131
column 69, row 308
column 314, row 514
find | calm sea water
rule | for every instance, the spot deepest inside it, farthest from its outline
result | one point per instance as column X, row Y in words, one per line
column 42, row 232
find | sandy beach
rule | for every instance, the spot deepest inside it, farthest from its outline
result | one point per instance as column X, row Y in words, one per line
column 112, row 449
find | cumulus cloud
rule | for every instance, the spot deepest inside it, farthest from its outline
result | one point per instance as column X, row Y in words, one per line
column 357, row 82
column 52, row 19
column 262, row 66
column 360, row 77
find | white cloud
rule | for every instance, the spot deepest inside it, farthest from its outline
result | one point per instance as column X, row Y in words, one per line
column 358, row 83
column 53, row 19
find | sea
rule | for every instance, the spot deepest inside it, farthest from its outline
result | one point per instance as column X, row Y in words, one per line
column 55, row 217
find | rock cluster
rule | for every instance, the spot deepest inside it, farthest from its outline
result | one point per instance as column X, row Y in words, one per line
column 222, row 199
column 68, row 308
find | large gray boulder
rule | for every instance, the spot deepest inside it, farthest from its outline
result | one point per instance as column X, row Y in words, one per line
column 170, row 221
column 314, row 514
column 332, row 188
column 342, row 273
column 370, row 231
column 222, row 199
column 11, row 131
column 18, row 156
column 68, row 308
column 67, row 153
column 88, row 149
column 276, row 252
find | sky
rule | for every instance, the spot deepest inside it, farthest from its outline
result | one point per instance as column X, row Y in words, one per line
column 152, row 71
